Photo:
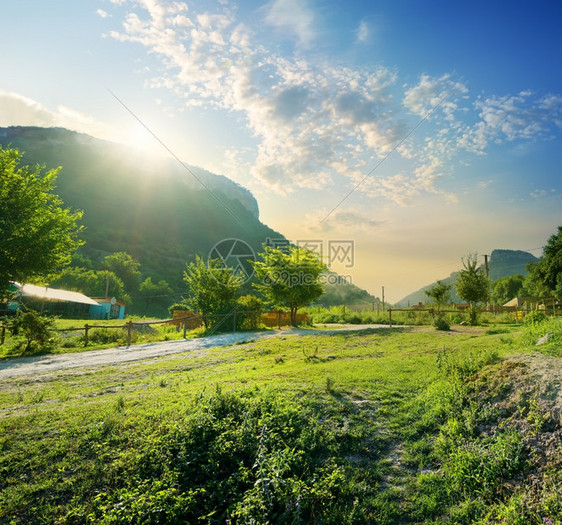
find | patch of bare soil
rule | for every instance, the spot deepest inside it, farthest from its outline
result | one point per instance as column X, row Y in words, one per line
column 525, row 392
column 536, row 379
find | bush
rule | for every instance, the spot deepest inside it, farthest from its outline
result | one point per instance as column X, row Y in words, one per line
column 441, row 323
column 36, row 328
column 117, row 336
column 250, row 308
column 535, row 317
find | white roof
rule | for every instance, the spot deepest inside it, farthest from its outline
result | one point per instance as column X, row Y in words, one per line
column 52, row 294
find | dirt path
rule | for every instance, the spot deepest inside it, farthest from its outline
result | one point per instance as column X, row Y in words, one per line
column 114, row 356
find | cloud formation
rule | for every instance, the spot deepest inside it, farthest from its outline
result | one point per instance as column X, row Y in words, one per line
column 341, row 220
column 317, row 124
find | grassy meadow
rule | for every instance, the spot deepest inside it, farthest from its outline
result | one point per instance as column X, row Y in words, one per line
column 408, row 425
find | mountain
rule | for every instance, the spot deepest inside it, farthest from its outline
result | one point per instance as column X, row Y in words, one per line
column 502, row 263
column 159, row 211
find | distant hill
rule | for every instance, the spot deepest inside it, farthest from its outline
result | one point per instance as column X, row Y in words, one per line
column 502, row 263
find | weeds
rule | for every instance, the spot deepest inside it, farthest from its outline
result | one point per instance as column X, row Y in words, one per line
column 310, row 355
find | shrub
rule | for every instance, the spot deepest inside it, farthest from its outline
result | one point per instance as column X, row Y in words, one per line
column 441, row 323
column 535, row 317
column 249, row 308
column 36, row 328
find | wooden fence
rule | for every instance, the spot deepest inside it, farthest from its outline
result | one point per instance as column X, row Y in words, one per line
column 518, row 314
column 182, row 319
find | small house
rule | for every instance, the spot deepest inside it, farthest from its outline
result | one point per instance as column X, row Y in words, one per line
column 107, row 308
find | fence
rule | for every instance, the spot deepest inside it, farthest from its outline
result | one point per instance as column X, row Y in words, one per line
column 182, row 319
column 518, row 314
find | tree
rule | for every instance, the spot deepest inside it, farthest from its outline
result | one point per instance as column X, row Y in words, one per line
column 92, row 283
column 548, row 270
column 156, row 295
column 440, row 294
column 472, row 285
column 213, row 289
column 34, row 327
column 289, row 278
column 533, row 285
column 37, row 234
column 506, row 288
column 126, row 268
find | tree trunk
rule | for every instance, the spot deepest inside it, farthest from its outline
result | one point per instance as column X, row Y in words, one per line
column 294, row 315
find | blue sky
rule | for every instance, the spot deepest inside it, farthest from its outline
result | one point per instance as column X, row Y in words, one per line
column 442, row 121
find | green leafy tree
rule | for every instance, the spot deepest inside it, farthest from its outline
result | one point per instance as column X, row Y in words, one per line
column 81, row 261
column 533, row 285
column 157, row 296
column 37, row 234
column 472, row 286
column 440, row 295
column 546, row 274
column 126, row 267
column 92, row 283
column 213, row 289
column 289, row 278
column 506, row 288
column 34, row 327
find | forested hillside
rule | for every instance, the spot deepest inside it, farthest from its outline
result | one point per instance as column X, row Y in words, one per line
column 155, row 209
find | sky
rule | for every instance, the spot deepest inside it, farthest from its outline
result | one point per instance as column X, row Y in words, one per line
column 420, row 131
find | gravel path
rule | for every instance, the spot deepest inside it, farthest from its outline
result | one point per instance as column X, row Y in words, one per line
column 114, row 356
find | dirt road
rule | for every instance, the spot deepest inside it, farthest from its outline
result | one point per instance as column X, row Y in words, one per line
column 114, row 356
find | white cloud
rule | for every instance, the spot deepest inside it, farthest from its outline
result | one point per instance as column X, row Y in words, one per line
column 538, row 194
column 510, row 118
column 363, row 32
column 17, row 110
column 341, row 221
column 431, row 92
column 292, row 16
column 102, row 13
column 484, row 184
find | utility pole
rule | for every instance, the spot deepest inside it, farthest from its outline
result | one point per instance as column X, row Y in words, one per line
column 488, row 280
column 383, row 298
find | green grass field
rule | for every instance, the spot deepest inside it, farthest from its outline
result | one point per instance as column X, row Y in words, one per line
column 408, row 425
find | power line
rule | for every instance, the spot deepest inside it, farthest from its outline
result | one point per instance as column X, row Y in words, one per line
column 396, row 146
column 185, row 166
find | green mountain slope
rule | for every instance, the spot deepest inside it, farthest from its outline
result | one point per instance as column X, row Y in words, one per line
column 154, row 209
column 502, row 263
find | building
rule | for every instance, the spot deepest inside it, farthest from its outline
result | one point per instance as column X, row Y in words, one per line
column 51, row 301
column 107, row 308
column 63, row 303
